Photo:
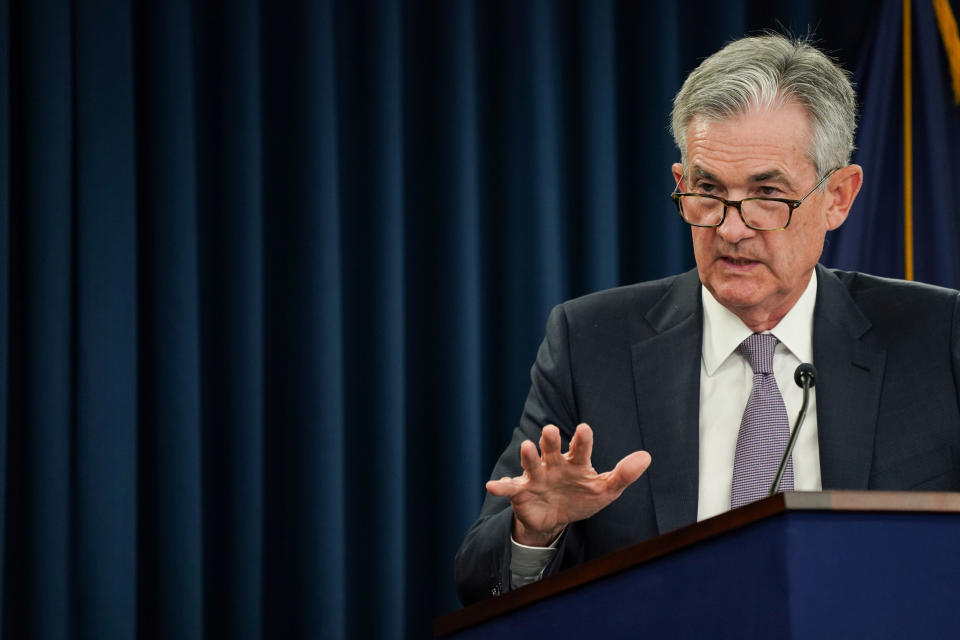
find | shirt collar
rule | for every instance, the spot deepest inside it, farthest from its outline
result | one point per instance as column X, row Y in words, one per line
column 723, row 331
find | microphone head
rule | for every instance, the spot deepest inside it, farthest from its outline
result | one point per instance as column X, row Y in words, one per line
column 805, row 371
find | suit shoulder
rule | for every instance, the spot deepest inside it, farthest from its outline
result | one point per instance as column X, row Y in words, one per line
column 632, row 298
column 899, row 304
column 631, row 312
column 863, row 286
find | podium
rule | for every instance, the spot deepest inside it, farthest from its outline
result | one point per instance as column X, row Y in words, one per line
column 833, row 564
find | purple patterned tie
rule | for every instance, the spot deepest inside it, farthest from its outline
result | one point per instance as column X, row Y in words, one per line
column 764, row 430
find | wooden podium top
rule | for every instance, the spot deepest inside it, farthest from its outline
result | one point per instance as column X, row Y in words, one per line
column 877, row 501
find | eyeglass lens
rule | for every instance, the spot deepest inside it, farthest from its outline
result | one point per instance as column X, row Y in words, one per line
column 760, row 214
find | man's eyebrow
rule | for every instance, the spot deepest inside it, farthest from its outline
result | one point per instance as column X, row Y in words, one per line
column 775, row 175
column 701, row 173
column 772, row 175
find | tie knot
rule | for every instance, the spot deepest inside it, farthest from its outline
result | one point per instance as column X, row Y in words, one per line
column 758, row 350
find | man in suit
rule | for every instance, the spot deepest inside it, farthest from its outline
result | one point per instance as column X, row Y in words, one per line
column 692, row 375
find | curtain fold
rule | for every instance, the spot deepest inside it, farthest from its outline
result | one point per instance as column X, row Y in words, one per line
column 445, row 337
column 230, row 224
column 597, row 92
column 170, row 569
column 306, row 542
column 272, row 276
column 104, row 324
column 373, row 213
column 5, row 289
column 43, row 351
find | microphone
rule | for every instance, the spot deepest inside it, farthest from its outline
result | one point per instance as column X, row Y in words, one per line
column 805, row 376
column 805, row 371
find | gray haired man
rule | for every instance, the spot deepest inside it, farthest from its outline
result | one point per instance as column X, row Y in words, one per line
column 660, row 382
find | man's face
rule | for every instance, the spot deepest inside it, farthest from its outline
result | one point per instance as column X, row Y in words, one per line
column 758, row 275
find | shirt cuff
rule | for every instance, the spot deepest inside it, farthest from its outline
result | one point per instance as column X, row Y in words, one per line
column 527, row 564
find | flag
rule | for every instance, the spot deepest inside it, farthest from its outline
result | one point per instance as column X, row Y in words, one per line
column 906, row 221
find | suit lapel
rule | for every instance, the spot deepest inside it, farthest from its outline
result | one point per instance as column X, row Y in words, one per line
column 850, row 373
column 666, row 370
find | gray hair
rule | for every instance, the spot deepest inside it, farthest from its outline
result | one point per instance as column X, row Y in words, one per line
column 769, row 71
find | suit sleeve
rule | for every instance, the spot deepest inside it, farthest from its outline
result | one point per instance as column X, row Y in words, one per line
column 482, row 564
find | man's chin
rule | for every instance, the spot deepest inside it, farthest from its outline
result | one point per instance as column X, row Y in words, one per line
column 737, row 295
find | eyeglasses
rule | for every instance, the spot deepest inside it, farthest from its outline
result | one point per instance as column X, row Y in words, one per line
column 760, row 214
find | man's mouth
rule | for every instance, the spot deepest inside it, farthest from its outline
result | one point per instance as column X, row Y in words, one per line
column 738, row 262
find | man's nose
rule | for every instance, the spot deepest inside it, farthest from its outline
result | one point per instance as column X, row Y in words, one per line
column 733, row 229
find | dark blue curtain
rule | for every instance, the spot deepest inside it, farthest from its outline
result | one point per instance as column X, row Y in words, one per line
column 272, row 275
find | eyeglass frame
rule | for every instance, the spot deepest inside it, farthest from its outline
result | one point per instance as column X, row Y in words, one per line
column 737, row 204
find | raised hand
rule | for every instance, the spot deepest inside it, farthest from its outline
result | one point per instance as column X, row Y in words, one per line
column 559, row 488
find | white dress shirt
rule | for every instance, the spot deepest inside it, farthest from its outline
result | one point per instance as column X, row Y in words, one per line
column 726, row 380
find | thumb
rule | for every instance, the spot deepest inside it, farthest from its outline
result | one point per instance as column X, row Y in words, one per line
column 504, row 487
column 628, row 470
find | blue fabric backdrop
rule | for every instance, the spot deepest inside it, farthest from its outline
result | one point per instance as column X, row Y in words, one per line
column 272, row 275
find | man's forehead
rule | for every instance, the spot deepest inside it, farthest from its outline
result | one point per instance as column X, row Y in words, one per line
column 767, row 144
column 772, row 129
column 773, row 108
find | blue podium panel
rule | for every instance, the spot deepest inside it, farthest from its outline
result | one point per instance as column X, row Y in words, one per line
column 799, row 574
column 874, row 575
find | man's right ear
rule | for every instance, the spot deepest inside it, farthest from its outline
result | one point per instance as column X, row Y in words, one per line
column 677, row 172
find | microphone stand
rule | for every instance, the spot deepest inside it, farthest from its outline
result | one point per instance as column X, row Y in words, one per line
column 805, row 376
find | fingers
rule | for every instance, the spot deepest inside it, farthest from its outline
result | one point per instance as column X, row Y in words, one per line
column 550, row 445
column 530, row 460
column 628, row 470
column 581, row 445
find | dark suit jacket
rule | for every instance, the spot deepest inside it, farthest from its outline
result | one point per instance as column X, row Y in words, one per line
column 627, row 362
